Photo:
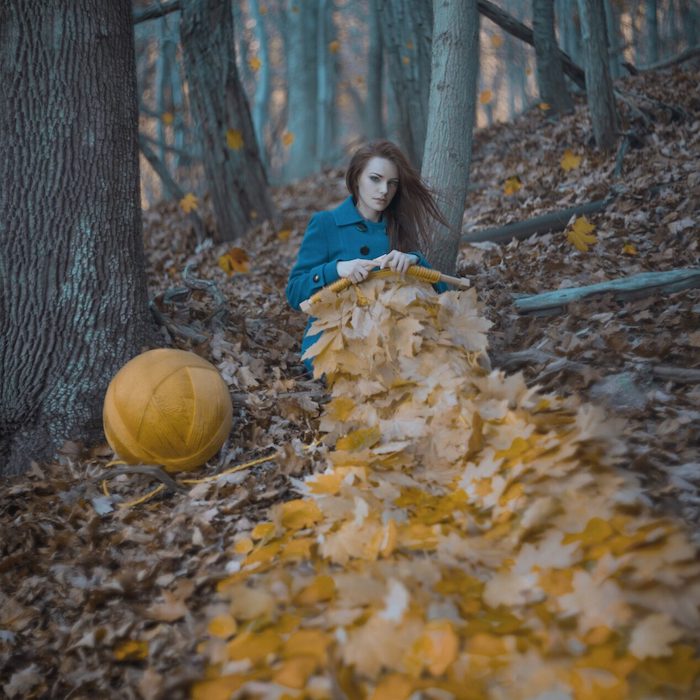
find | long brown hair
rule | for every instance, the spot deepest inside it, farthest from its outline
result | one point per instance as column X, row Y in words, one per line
column 413, row 207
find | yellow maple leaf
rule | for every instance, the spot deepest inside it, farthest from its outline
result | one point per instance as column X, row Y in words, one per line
column 580, row 235
column 222, row 626
column 234, row 139
column 263, row 9
column 255, row 63
column 485, row 97
column 393, row 687
column 311, row 643
column 405, row 60
column 334, row 46
column 496, row 41
column 253, row 646
column 287, row 138
column 359, row 439
column 167, row 118
column 188, row 203
column 235, row 260
column 131, row 650
column 629, row 249
column 298, row 514
column 263, row 530
column 570, row 161
column 221, row 688
column 295, row 672
column 243, row 546
column 512, row 185
column 321, row 588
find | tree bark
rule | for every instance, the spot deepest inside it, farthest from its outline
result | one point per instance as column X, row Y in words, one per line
column 73, row 299
column 235, row 176
column 327, row 81
column 375, row 74
column 263, row 87
column 651, row 19
column 550, row 76
column 407, row 27
column 454, row 75
column 599, row 88
column 302, row 88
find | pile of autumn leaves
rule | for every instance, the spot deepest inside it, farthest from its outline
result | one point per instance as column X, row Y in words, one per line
column 470, row 537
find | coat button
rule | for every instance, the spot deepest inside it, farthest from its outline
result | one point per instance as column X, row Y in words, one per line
column 364, row 250
column 316, row 278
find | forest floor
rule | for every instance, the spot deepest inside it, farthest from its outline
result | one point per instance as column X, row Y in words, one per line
column 101, row 600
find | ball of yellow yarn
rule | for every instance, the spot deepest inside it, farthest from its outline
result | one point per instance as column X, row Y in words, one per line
column 167, row 407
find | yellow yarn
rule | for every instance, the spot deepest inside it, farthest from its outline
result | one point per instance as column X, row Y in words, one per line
column 167, row 407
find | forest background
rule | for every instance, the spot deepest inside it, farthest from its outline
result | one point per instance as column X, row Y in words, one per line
column 315, row 78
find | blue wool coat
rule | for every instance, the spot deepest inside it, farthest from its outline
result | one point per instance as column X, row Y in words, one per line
column 331, row 236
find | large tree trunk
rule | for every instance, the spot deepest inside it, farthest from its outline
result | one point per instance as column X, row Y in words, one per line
column 235, row 176
column 407, row 35
column 327, row 81
column 263, row 86
column 550, row 75
column 375, row 76
column 302, row 88
column 651, row 20
column 599, row 88
column 73, row 299
column 455, row 69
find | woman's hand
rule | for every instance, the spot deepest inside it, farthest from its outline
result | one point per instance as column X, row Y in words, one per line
column 397, row 261
column 355, row 270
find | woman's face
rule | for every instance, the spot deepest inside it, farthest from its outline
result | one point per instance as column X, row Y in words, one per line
column 376, row 187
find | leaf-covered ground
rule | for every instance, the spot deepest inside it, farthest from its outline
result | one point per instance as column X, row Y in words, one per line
column 102, row 600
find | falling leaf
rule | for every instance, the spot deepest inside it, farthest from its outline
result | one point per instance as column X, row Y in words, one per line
column 544, row 106
column 512, row 185
column 570, row 161
column 255, row 63
column 629, row 249
column 263, row 9
column 167, row 118
column 528, row 71
column 235, row 260
column 580, row 234
column 334, row 46
column 234, row 139
column 496, row 41
column 188, row 203
column 405, row 60
column 131, row 650
column 485, row 97
column 287, row 138
column 409, row 45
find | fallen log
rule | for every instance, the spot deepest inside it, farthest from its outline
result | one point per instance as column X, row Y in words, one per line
column 521, row 31
column 546, row 223
column 624, row 289
column 682, row 57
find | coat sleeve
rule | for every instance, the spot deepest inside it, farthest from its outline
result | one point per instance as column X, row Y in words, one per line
column 439, row 287
column 313, row 269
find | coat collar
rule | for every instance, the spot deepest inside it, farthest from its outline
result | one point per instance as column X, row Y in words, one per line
column 346, row 213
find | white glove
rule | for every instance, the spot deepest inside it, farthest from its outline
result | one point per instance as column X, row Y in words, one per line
column 397, row 261
column 355, row 270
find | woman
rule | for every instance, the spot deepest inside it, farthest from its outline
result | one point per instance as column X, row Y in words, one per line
column 379, row 225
